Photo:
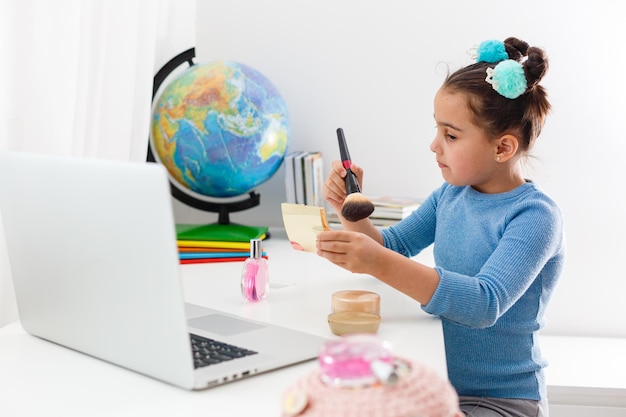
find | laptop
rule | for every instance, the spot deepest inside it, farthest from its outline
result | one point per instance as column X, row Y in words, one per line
column 93, row 255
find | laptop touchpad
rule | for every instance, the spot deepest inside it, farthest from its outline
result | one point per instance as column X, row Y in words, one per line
column 223, row 325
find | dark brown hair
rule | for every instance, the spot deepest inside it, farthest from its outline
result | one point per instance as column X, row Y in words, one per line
column 523, row 116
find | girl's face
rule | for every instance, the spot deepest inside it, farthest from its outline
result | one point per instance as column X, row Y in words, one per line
column 465, row 154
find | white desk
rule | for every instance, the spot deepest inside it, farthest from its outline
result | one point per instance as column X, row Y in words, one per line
column 38, row 378
column 586, row 375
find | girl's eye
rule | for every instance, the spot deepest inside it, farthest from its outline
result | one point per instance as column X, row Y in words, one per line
column 446, row 135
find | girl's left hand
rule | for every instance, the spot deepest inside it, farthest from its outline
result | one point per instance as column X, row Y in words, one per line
column 353, row 251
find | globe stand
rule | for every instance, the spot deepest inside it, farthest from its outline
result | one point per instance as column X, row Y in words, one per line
column 224, row 209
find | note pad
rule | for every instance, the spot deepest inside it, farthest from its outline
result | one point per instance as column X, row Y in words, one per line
column 303, row 224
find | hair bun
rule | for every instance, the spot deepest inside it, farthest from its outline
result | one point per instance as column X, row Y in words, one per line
column 536, row 63
column 535, row 66
column 516, row 48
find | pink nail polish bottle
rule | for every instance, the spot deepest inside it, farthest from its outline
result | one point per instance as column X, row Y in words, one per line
column 255, row 276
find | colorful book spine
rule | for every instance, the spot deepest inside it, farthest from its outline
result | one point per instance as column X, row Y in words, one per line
column 215, row 242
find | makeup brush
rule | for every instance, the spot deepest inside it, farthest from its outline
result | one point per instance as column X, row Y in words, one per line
column 356, row 206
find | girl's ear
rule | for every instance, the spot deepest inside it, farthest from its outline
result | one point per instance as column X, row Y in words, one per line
column 507, row 146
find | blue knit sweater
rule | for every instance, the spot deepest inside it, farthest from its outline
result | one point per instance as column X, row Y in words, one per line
column 499, row 257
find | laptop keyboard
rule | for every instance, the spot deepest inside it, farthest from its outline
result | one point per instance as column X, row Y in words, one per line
column 210, row 352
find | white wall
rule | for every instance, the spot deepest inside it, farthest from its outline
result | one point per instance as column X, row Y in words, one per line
column 176, row 30
column 373, row 67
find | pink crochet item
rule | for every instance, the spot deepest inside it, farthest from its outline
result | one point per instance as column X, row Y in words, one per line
column 420, row 392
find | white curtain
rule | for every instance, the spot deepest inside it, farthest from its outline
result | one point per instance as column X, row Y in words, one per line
column 76, row 79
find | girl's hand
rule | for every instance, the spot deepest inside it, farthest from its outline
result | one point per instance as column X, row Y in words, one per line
column 353, row 251
column 335, row 185
column 360, row 253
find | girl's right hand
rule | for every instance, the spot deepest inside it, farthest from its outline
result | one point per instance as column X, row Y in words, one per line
column 335, row 184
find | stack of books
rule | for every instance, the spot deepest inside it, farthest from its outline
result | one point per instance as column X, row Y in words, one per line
column 387, row 210
column 304, row 178
column 393, row 208
column 216, row 242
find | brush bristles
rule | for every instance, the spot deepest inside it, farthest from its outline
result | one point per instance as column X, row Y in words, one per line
column 356, row 207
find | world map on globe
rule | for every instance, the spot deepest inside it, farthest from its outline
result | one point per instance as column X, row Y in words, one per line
column 221, row 128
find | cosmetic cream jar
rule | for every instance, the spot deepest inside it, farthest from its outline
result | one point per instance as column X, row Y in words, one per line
column 354, row 311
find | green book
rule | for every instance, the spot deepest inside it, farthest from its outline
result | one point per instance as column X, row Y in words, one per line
column 220, row 232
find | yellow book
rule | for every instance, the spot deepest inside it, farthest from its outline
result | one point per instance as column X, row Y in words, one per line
column 213, row 244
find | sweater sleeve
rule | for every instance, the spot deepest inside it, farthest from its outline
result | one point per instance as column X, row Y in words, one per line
column 415, row 232
column 530, row 240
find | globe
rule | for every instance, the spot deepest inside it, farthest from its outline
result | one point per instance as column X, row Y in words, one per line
column 220, row 128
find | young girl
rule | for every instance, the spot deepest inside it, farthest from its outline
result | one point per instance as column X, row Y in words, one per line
column 498, row 239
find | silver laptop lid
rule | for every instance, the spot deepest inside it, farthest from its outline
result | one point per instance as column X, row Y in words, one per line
column 88, row 275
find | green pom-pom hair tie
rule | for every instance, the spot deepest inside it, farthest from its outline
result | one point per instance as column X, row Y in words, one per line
column 507, row 78
column 491, row 51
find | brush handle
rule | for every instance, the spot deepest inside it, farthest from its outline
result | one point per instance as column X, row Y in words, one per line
column 343, row 148
column 352, row 185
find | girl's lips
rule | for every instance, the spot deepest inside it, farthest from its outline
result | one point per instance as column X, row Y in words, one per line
column 440, row 165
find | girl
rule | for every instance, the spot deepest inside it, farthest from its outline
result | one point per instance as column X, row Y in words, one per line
column 498, row 239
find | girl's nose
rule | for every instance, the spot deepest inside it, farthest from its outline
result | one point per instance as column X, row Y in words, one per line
column 434, row 146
